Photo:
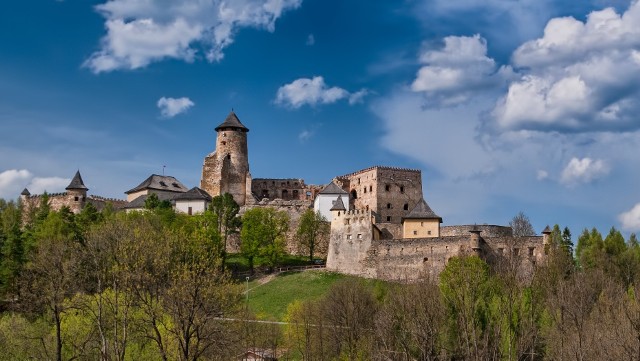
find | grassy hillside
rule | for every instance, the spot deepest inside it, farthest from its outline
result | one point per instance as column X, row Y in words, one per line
column 269, row 301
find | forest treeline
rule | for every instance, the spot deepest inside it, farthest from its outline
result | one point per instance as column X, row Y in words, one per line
column 153, row 286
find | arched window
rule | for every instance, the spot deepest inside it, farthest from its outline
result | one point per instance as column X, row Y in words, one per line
column 354, row 194
column 295, row 194
column 285, row 194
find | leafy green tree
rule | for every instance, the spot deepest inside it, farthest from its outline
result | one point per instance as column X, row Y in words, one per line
column 225, row 208
column 263, row 234
column 590, row 248
column 12, row 254
column 567, row 243
column 312, row 232
column 614, row 243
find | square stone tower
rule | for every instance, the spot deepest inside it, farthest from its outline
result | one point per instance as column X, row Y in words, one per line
column 226, row 170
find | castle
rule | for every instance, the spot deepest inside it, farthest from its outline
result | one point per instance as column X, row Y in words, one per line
column 381, row 225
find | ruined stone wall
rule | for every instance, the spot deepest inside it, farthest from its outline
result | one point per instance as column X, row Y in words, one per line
column 280, row 188
column 487, row 230
column 411, row 259
column 75, row 201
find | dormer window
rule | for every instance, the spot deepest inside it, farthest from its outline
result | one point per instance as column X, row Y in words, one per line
column 163, row 184
column 175, row 185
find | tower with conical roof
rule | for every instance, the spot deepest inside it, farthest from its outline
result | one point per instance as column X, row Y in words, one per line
column 76, row 193
column 226, row 170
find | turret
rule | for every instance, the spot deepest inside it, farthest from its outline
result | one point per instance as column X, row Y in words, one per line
column 77, row 193
column 546, row 235
column 476, row 240
column 227, row 169
column 338, row 209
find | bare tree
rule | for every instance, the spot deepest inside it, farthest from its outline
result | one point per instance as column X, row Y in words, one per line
column 521, row 225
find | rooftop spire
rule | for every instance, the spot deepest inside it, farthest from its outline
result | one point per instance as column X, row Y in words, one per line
column 77, row 183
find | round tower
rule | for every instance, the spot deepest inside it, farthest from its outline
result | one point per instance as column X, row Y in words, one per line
column 76, row 193
column 227, row 169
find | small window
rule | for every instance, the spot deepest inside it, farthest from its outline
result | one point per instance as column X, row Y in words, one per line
column 76, row 198
column 531, row 249
column 224, row 143
column 346, row 221
column 229, row 156
column 415, row 233
column 429, row 232
column 175, row 185
column 358, row 180
column 388, row 205
column 285, row 194
column 295, row 193
column 365, row 189
column 359, row 235
column 163, row 184
column 367, row 208
column 387, row 187
column 224, row 134
column 516, row 251
column 189, row 211
column 401, row 189
column 348, row 236
column 406, row 206
column 425, row 259
column 421, row 224
column 338, row 213
column 370, row 188
column 388, row 218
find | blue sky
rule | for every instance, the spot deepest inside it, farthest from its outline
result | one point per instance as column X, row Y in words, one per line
column 504, row 105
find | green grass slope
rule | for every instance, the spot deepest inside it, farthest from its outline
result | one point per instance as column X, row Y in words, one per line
column 269, row 301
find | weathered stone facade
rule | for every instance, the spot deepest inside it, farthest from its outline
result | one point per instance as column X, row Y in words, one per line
column 283, row 188
column 391, row 193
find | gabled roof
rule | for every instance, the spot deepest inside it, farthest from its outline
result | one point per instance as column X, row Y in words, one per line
column 77, row 183
column 194, row 193
column 338, row 205
column 138, row 203
column 332, row 188
column 232, row 121
column 159, row 182
column 422, row 211
column 25, row 192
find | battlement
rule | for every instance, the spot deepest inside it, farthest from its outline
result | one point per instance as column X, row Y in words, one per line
column 105, row 199
column 380, row 167
column 38, row 196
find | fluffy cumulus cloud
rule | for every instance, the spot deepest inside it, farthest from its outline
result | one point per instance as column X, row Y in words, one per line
column 142, row 31
column 583, row 170
column 13, row 181
column 170, row 107
column 450, row 76
column 630, row 219
column 314, row 91
column 580, row 76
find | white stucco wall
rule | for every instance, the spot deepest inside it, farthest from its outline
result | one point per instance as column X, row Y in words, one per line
column 324, row 202
column 196, row 206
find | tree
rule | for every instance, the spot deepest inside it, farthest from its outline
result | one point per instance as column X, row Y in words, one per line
column 521, row 226
column 12, row 253
column 226, row 210
column 263, row 234
column 312, row 232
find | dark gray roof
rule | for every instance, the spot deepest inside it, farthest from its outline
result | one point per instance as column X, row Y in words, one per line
column 159, row 182
column 138, row 203
column 77, row 183
column 232, row 121
column 194, row 193
column 338, row 205
column 546, row 230
column 422, row 211
column 25, row 192
column 332, row 188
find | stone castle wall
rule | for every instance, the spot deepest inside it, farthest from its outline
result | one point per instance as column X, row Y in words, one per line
column 412, row 259
column 74, row 200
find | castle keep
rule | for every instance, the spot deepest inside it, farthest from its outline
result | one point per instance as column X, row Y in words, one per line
column 381, row 225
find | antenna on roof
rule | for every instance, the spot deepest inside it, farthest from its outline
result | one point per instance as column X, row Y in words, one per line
column 163, row 169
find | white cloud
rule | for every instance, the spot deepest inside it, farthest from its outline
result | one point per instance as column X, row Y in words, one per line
column 314, row 91
column 141, row 31
column 630, row 219
column 12, row 181
column 580, row 76
column 461, row 69
column 310, row 40
column 583, row 170
column 542, row 174
column 170, row 107
column 304, row 135
column 49, row 184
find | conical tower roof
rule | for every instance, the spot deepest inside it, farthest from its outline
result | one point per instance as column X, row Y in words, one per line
column 338, row 205
column 77, row 183
column 232, row 122
column 25, row 192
